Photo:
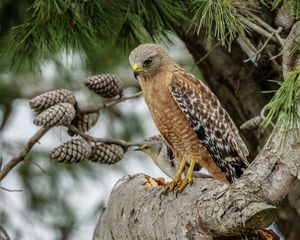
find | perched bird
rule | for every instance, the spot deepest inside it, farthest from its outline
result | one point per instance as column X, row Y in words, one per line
column 189, row 117
column 162, row 155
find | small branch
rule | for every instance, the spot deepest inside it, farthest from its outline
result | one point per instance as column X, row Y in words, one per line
column 11, row 190
column 259, row 30
column 97, row 107
column 207, row 53
column 87, row 137
column 276, row 56
column 247, row 47
column 269, row 28
column 25, row 150
column 38, row 166
column 276, row 66
column 260, row 50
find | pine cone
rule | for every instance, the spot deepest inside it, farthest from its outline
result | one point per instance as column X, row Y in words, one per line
column 48, row 99
column 105, row 85
column 84, row 122
column 106, row 153
column 59, row 114
column 73, row 151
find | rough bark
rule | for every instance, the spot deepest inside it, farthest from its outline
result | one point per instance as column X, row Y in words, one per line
column 208, row 208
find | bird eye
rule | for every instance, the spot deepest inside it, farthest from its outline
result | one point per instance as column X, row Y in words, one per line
column 147, row 62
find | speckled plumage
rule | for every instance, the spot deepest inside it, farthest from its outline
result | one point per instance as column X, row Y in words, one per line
column 188, row 115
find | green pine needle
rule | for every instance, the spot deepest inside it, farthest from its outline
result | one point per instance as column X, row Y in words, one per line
column 285, row 107
column 147, row 21
column 221, row 18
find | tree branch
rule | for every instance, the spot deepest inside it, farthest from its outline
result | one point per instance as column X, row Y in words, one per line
column 25, row 150
column 120, row 142
column 96, row 107
column 206, row 209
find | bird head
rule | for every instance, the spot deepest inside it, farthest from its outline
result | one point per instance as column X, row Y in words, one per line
column 152, row 149
column 147, row 59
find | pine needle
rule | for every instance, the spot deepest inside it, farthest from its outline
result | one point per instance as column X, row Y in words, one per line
column 285, row 108
column 221, row 18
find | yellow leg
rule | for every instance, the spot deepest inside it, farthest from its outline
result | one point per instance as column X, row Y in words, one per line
column 189, row 176
column 177, row 180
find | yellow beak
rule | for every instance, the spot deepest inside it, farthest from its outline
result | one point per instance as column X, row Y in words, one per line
column 136, row 67
column 136, row 70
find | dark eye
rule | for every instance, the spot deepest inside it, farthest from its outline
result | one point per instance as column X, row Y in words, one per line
column 147, row 62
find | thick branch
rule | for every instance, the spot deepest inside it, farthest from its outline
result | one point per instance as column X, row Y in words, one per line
column 25, row 150
column 206, row 209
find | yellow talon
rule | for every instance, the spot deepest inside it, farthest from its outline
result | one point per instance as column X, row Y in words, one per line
column 188, row 178
column 177, row 180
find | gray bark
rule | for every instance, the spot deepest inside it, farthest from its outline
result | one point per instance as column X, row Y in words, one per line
column 206, row 209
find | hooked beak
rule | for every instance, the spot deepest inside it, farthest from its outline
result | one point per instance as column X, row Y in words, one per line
column 136, row 70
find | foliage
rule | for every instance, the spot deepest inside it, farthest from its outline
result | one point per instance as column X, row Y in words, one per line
column 284, row 106
column 85, row 25
column 226, row 16
column 100, row 32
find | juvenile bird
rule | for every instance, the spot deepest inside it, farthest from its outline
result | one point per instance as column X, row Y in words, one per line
column 162, row 155
column 189, row 117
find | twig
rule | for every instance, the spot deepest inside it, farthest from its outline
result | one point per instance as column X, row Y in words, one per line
column 276, row 66
column 269, row 28
column 259, row 30
column 11, row 190
column 25, row 150
column 247, row 47
column 207, row 53
column 38, row 166
column 97, row 107
column 276, row 56
column 87, row 137
column 261, row 49
column 3, row 230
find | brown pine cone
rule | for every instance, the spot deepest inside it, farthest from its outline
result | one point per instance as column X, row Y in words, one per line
column 84, row 122
column 48, row 99
column 57, row 115
column 105, row 85
column 106, row 153
column 73, row 151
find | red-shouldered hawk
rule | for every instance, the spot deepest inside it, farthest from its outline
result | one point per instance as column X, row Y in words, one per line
column 189, row 117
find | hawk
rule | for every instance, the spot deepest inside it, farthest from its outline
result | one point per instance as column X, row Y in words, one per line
column 189, row 117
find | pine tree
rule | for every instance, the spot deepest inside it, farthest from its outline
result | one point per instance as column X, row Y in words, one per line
column 247, row 51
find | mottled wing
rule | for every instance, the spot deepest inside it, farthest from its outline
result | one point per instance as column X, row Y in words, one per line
column 212, row 124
